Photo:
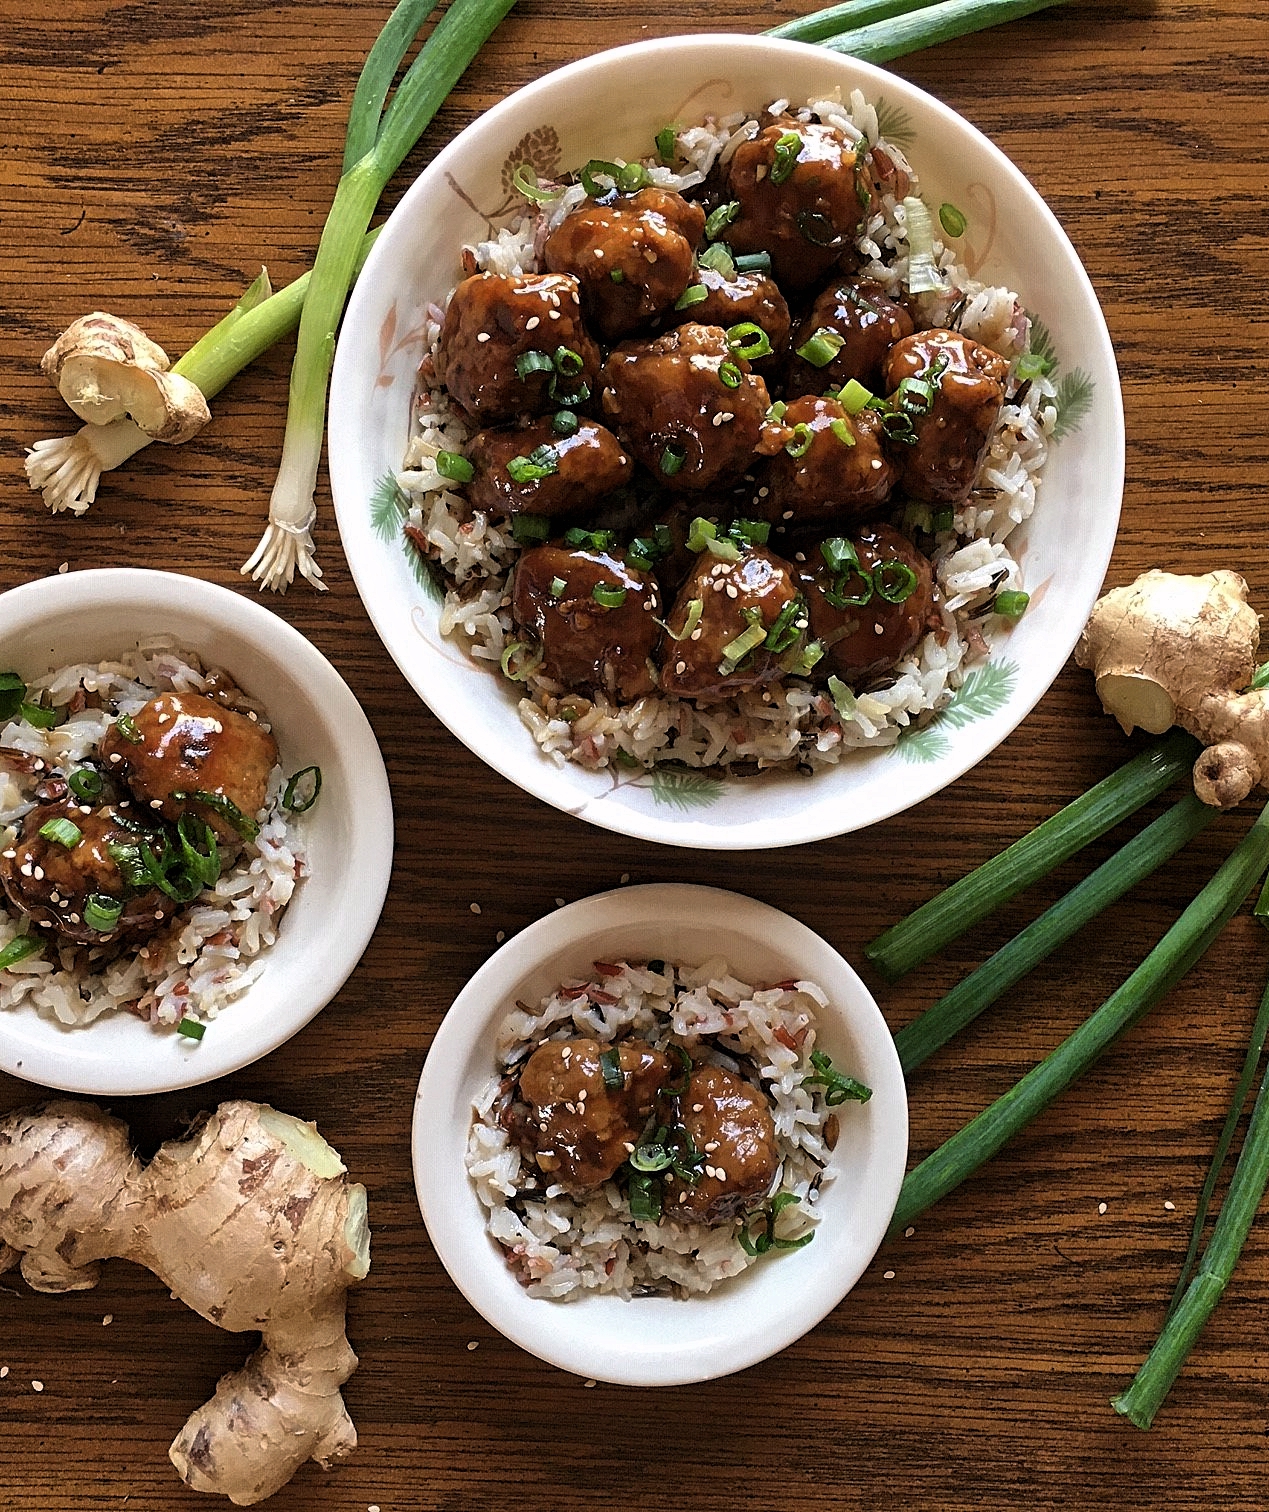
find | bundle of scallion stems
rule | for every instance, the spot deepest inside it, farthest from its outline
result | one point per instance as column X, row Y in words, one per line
column 381, row 132
column 957, row 908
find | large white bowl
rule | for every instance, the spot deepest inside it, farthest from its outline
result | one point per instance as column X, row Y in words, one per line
column 663, row 1341
column 88, row 616
column 612, row 104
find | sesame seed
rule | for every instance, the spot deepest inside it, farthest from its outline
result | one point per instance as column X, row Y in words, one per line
column 908, row 1233
column 475, row 908
column 25, row 868
column 719, row 585
column 718, row 419
column 763, row 491
column 732, row 591
column 682, row 1196
column 553, row 314
column 629, row 1148
column 163, row 718
column 720, row 1173
column 625, row 877
column 711, row 1147
column 38, row 764
column 650, row 255
column 887, row 1275
column 1170, row 1206
column 589, row 1385
column 74, row 918
column 533, row 322
column 473, row 1344
column 10, row 855
column 787, row 515
column 680, row 667
column 500, row 936
column 1101, row 1207
column 599, row 252
column 698, row 1107
column 156, row 803
column 696, row 634
column 115, row 756
column 4, row 1371
column 482, row 336
column 37, row 1385
column 108, row 1320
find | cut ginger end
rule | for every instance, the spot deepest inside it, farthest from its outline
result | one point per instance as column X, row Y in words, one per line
column 1137, row 702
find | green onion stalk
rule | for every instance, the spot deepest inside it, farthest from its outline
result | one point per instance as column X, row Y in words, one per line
column 1198, row 926
column 878, row 30
column 1191, row 1310
column 373, row 154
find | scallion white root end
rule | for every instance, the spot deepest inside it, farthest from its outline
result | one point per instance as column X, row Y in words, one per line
column 66, row 470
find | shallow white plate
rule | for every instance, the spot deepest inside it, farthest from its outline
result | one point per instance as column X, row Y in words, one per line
column 664, row 1341
column 86, row 616
column 610, row 105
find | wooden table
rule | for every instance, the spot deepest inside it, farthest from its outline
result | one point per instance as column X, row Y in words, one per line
column 154, row 155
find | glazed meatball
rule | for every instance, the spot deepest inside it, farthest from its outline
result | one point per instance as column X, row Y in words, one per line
column 52, row 881
column 182, row 743
column 497, row 326
column 687, row 407
column 745, row 298
column 580, row 1129
column 594, row 617
column 583, row 466
column 833, row 468
column 730, row 1122
column 968, row 380
column 797, row 185
column 862, row 641
column 867, row 322
column 732, row 596
column 633, row 256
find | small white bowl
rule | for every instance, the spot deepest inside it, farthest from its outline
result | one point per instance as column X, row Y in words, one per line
column 664, row 1341
column 88, row 616
column 612, row 104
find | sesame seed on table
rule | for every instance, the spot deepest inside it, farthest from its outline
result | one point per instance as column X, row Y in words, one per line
column 156, row 156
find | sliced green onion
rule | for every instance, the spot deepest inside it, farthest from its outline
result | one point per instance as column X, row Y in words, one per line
column 567, row 362
column 667, row 143
column 841, row 429
column 590, row 540
column 719, row 219
column 533, row 468
column 923, row 273
column 41, row 717
column 914, row 396
column 651, row 1155
column 610, row 1069
column 730, row 375
column 898, row 426
column 853, row 396
column 632, row 178
column 127, row 727
column 838, row 1088
column 785, row 156
column 942, row 519
column 18, row 949
column 694, row 294
column 1031, row 365
column 197, row 839
column 753, row 262
column 750, row 532
column 101, row 912
column 87, row 783
column 803, row 659
column 644, row 1195
column 519, row 662
column 765, row 1240
column 455, row 466
column 1012, row 604
column 837, row 595
column 191, row 1029
column 564, row 422
column 673, row 458
column 528, row 363
column 839, row 555
column 748, row 340
column 776, row 410
column 718, row 259
column 646, row 550
column 951, row 219
column 799, row 443
column 816, row 228
column 617, row 275
column 734, row 652
column 695, row 608
column 525, row 181
column 821, row 347
column 62, row 831
column 228, row 810
column 529, row 529
column 785, row 628
column 558, row 585
column 608, row 595
column 596, row 169
column 678, row 1088
column 301, row 792
column 558, row 393
column 894, row 581
column 843, row 698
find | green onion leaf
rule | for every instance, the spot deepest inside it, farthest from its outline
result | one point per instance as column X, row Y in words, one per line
column 734, row 652
column 748, row 340
column 191, row 1029
column 785, row 156
column 951, row 219
column 558, row 585
column 839, row 555
column 1031, row 365
column 529, row 529
column 718, row 220
column 127, row 727
column 853, row 396
column 677, row 1089
column 644, row 1195
column 816, row 228
column 101, row 912
column 18, row 949
column 12, row 694
column 62, row 832
column 301, row 792
column 455, row 466
column 694, row 294
column 718, row 259
column 1012, row 604
column 228, row 810
column 799, row 443
column 695, row 608
column 730, row 375
column 667, row 143
column 566, row 361
column 785, row 628
column 41, row 717
column 841, row 429
column 894, row 581
column 519, row 662
column 608, row 595
column 750, row 532
column 564, row 423
column 632, row 178
column 803, row 659
column 528, row 363
column 525, row 181
column 559, row 393
column 673, row 458
column 753, row 262
column 590, row 540
column 199, row 851
column 838, row 1088
column 541, row 463
column 86, row 784
column 821, row 347
column 610, row 1068
column 596, row 169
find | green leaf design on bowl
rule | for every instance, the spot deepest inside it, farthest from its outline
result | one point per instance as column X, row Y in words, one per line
column 985, row 691
column 389, row 508
column 681, row 789
column 1074, row 389
column 895, row 124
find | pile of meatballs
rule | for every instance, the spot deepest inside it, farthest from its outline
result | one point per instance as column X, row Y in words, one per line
column 717, row 357
column 205, row 756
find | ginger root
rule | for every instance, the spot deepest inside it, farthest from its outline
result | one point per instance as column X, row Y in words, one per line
column 1170, row 649
column 107, row 369
column 250, row 1221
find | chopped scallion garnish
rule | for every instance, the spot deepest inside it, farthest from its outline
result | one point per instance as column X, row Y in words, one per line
column 730, row 375
column 951, row 219
column 590, row 540
column 610, row 1069
column 838, row 1088
column 608, row 595
column 127, row 727
column 596, row 169
column 17, row 950
column 222, row 804
column 799, row 443
column 821, row 347
column 101, row 912
column 528, row 363
column 719, row 219
column 519, row 661
column 62, row 831
column 301, row 792
column 718, row 259
column 191, row 1029
column 454, row 466
column 525, row 181
column 694, row 294
column 673, row 458
column 894, row 581
column 12, row 694
column 841, row 429
column 695, row 608
column 86, row 784
column 748, row 340
column 785, row 156
column 667, row 143
column 1012, row 604
column 529, row 529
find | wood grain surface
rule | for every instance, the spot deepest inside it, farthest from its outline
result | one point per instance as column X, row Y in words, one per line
column 152, row 156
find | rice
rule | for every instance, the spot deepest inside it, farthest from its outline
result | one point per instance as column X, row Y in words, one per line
column 796, row 725
column 215, row 946
column 561, row 1246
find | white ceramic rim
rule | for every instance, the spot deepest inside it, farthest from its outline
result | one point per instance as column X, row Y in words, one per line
column 754, row 1315
column 539, row 777
column 120, row 1055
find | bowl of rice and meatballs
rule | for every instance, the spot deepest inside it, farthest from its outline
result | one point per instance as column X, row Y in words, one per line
column 720, row 412
column 189, row 793
column 651, row 1150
